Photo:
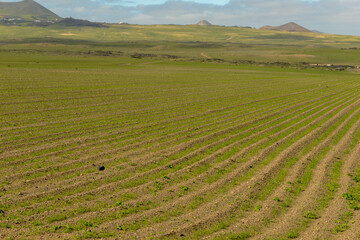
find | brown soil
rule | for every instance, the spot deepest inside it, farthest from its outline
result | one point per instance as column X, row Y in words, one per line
column 210, row 212
column 64, row 178
column 323, row 227
column 257, row 218
column 201, row 176
column 309, row 196
column 94, row 193
column 141, row 159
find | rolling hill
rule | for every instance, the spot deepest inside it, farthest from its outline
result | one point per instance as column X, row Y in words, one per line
column 204, row 23
column 27, row 10
column 289, row 27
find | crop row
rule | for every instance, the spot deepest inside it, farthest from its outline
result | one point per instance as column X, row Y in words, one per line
column 185, row 155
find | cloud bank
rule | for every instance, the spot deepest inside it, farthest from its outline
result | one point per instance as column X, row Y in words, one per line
column 331, row 16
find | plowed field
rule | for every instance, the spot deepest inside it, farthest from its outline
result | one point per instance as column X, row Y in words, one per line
column 191, row 151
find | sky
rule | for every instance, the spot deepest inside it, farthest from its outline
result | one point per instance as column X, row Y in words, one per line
column 329, row 16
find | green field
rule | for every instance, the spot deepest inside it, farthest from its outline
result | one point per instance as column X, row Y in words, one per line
column 229, row 43
column 201, row 136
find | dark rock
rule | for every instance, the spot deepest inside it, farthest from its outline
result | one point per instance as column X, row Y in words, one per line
column 101, row 168
column 182, row 235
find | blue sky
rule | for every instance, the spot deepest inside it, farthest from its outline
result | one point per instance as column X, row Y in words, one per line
column 132, row 3
column 138, row 2
column 330, row 16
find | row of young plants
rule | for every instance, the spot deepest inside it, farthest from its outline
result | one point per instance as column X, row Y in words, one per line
column 162, row 165
column 57, row 165
column 257, row 208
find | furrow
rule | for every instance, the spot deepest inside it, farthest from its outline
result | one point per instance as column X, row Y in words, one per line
column 319, row 177
column 295, row 173
column 197, row 179
column 211, row 210
column 324, row 226
column 219, row 152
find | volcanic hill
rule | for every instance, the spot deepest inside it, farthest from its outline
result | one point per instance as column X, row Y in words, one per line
column 204, row 23
column 289, row 27
column 27, row 10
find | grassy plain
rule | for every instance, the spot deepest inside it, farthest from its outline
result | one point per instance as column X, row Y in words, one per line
column 192, row 40
column 202, row 132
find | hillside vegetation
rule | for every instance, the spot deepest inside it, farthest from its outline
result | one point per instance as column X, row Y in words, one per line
column 229, row 43
column 194, row 33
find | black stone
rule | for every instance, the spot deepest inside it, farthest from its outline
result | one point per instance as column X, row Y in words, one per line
column 101, row 168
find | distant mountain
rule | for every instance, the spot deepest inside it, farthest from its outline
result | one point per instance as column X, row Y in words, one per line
column 28, row 10
column 204, row 23
column 289, row 27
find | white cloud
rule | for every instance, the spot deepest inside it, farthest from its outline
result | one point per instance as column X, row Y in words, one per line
column 333, row 16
